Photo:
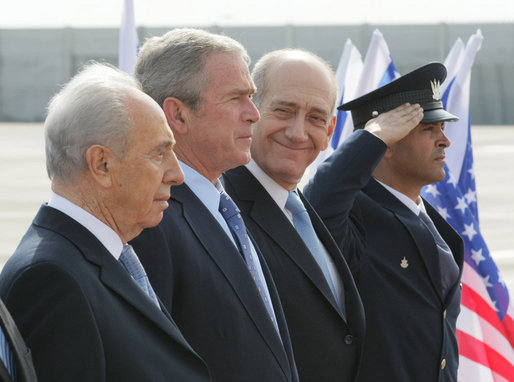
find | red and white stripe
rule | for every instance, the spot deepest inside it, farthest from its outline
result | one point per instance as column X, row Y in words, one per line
column 486, row 344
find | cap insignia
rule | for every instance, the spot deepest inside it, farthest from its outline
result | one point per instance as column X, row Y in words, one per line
column 436, row 91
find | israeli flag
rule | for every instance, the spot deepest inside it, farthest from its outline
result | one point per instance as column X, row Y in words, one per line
column 129, row 42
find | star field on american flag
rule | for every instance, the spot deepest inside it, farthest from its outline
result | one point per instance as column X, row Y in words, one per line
column 461, row 212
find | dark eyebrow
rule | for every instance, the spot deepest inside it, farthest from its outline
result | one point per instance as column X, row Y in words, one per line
column 283, row 103
column 293, row 104
column 166, row 144
column 243, row 91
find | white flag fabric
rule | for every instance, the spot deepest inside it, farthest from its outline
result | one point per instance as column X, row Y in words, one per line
column 378, row 68
column 128, row 48
column 356, row 78
column 485, row 327
column 452, row 64
column 347, row 76
column 348, row 73
column 457, row 102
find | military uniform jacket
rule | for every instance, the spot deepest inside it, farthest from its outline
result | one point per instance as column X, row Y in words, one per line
column 203, row 280
column 410, row 327
column 327, row 345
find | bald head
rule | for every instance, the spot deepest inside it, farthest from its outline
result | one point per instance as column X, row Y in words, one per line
column 283, row 61
column 296, row 95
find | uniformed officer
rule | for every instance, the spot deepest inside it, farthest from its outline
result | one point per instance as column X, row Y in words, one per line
column 406, row 259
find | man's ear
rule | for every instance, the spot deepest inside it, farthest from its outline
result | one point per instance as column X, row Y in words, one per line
column 330, row 131
column 101, row 164
column 176, row 113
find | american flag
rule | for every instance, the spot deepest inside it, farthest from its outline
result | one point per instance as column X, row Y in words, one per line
column 485, row 328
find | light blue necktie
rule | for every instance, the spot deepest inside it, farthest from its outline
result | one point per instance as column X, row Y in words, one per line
column 232, row 216
column 7, row 355
column 447, row 265
column 133, row 266
column 302, row 223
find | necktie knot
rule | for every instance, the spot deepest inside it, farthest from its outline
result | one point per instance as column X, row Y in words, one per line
column 294, row 204
column 130, row 261
column 227, row 207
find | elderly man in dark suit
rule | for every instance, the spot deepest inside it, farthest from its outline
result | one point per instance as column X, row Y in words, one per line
column 407, row 260
column 76, row 289
column 200, row 258
column 296, row 98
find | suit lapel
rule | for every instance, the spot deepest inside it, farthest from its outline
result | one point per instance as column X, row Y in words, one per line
column 111, row 272
column 225, row 255
column 279, row 229
column 422, row 238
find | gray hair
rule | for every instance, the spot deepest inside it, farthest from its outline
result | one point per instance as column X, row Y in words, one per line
column 90, row 109
column 262, row 67
column 172, row 65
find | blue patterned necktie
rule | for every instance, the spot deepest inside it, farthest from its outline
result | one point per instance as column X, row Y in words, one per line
column 133, row 266
column 302, row 223
column 232, row 216
column 447, row 264
column 7, row 355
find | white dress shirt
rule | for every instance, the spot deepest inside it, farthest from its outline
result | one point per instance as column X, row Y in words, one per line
column 415, row 207
column 279, row 194
column 209, row 195
column 105, row 234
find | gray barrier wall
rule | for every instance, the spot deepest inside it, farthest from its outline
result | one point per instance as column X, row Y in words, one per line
column 35, row 62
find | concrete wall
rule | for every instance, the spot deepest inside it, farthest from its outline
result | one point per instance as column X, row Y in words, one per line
column 34, row 63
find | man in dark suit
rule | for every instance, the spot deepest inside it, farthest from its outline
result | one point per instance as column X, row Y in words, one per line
column 296, row 98
column 16, row 361
column 406, row 258
column 200, row 259
column 75, row 288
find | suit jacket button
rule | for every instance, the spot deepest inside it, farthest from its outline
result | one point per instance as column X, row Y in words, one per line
column 348, row 340
column 443, row 363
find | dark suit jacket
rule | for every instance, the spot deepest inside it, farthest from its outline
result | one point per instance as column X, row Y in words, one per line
column 327, row 346
column 203, row 280
column 24, row 368
column 83, row 316
column 410, row 326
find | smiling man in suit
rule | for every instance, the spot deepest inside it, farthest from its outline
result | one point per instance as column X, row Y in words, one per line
column 75, row 288
column 407, row 259
column 200, row 258
column 296, row 99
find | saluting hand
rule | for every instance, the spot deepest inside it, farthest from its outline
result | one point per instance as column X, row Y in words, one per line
column 395, row 124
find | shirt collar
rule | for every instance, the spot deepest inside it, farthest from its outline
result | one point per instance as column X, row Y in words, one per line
column 105, row 234
column 408, row 202
column 208, row 193
column 278, row 193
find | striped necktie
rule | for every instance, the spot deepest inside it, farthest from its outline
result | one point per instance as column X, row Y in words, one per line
column 133, row 266
column 232, row 216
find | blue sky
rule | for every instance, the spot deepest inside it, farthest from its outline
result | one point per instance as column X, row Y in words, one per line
column 107, row 13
